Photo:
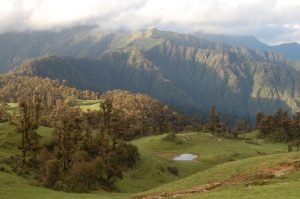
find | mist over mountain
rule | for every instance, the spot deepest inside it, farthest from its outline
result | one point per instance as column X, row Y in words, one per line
column 149, row 99
column 181, row 70
column 289, row 50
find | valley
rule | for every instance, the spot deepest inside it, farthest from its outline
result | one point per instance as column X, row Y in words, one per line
column 149, row 99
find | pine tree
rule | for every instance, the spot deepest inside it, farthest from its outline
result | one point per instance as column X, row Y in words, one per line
column 213, row 116
column 241, row 126
column 227, row 123
column 112, row 122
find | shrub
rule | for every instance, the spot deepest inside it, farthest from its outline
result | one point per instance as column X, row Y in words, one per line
column 173, row 170
column 50, row 145
column 52, row 172
column 83, row 176
column 127, row 154
column 172, row 137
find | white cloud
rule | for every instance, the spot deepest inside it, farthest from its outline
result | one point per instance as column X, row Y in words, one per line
column 213, row 16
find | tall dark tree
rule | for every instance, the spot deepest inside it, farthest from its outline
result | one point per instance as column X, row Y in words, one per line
column 106, row 109
column 67, row 122
column 113, row 121
column 280, row 126
column 28, row 123
column 227, row 123
column 241, row 126
column 212, row 121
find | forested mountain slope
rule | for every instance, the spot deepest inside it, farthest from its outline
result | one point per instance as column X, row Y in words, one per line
column 237, row 80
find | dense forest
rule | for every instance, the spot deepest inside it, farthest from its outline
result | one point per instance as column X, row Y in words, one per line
column 13, row 88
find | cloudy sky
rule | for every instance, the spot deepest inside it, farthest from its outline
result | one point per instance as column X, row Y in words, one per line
column 272, row 21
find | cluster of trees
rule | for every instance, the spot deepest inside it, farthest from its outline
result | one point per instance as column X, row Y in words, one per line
column 143, row 115
column 221, row 124
column 14, row 88
column 280, row 126
column 17, row 88
column 86, row 149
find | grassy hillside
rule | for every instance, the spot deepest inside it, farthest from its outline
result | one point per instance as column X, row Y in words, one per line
column 157, row 154
column 285, row 188
column 14, row 187
column 218, row 159
column 284, row 185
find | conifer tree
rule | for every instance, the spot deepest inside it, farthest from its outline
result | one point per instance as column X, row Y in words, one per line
column 213, row 116
column 227, row 123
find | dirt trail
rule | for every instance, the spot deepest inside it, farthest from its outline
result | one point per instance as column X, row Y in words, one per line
column 275, row 171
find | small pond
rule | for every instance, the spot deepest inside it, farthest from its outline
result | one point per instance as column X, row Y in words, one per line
column 185, row 157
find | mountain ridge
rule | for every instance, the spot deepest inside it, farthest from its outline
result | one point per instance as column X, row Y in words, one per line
column 91, row 42
column 178, row 69
column 190, row 79
column 289, row 50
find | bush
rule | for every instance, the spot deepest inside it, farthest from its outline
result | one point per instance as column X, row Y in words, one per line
column 127, row 154
column 173, row 170
column 44, row 155
column 172, row 137
column 52, row 172
column 59, row 185
column 83, row 177
column 49, row 145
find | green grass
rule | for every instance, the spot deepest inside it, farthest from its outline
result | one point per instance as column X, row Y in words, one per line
column 217, row 160
column 157, row 154
column 89, row 104
column 8, row 140
column 84, row 105
column 282, row 187
column 15, row 187
column 12, row 108
column 280, row 190
column 227, row 170
column 207, row 147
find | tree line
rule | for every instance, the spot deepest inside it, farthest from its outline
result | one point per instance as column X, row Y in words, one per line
column 223, row 125
column 14, row 88
column 280, row 126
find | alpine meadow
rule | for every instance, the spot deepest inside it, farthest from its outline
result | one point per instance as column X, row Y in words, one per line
column 149, row 99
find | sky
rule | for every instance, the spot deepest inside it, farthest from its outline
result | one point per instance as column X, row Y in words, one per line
column 272, row 21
